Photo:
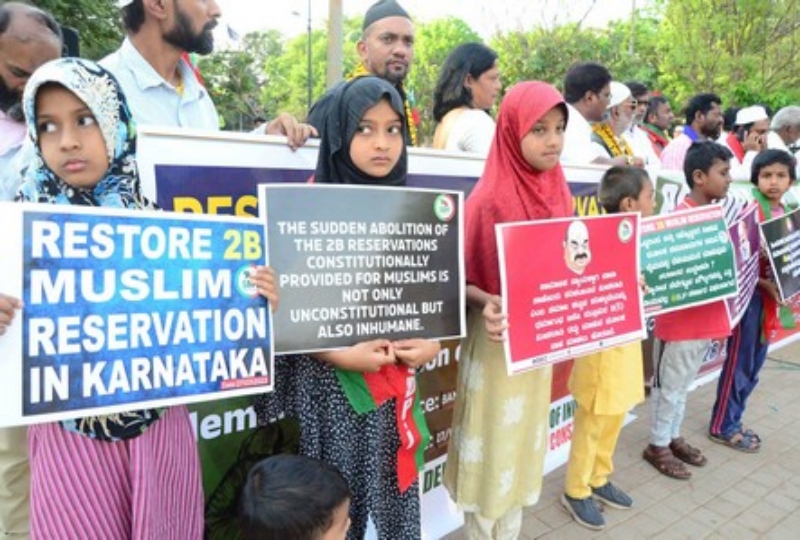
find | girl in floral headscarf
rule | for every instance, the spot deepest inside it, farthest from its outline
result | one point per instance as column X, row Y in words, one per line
column 128, row 475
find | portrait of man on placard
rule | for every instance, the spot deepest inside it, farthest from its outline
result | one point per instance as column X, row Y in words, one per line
column 577, row 254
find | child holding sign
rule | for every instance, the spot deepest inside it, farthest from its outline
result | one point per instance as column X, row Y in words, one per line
column 684, row 337
column 606, row 385
column 127, row 475
column 376, row 441
column 134, row 474
column 496, row 458
column 773, row 174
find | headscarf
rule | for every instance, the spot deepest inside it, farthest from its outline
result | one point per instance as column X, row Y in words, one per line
column 102, row 94
column 346, row 109
column 510, row 189
column 120, row 187
column 366, row 392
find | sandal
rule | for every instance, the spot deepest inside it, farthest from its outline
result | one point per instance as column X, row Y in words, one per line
column 744, row 441
column 687, row 453
column 662, row 459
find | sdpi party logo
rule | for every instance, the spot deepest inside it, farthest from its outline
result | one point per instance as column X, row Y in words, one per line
column 444, row 207
column 243, row 284
column 625, row 230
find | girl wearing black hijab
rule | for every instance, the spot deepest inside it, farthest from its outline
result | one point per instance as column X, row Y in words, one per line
column 341, row 420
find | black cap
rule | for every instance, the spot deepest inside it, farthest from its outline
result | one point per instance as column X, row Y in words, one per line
column 382, row 9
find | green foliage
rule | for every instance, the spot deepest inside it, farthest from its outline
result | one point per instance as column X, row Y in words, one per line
column 236, row 79
column 97, row 21
column 292, row 95
column 745, row 50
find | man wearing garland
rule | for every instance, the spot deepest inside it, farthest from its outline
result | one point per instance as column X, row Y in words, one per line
column 588, row 94
column 607, row 136
column 386, row 49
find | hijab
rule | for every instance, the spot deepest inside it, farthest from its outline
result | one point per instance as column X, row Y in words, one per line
column 102, row 94
column 347, row 107
column 510, row 189
column 120, row 187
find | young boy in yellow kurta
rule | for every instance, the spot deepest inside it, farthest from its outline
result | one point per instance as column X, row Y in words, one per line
column 605, row 385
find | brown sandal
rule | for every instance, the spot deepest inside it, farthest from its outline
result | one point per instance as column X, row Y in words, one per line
column 687, row 453
column 662, row 459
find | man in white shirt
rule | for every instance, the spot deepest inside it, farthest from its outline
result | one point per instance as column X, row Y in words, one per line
column 588, row 94
column 785, row 129
column 635, row 136
column 159, row 84
column 747, row 138
column 784, row 132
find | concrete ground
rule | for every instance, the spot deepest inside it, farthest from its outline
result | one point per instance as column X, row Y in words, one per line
column 736, row 496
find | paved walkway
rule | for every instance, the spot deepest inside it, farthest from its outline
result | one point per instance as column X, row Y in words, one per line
column 736, row 496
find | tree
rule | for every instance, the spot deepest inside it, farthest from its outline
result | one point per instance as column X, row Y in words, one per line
column 745, row 50
column 97, row 22
column 291, row 96
column 236, row 78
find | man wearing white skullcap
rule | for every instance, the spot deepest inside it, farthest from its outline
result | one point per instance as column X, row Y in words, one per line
column 747, row 139
column 607, row 135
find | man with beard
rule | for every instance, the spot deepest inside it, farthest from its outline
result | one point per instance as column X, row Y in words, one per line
column 160, row 85
column 386, row 49
column 703, row 123
column 607, row 135
column 636, row 136
column 29, row 37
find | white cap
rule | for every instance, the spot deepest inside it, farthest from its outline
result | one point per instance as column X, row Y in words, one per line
column 748, row 115
column 619, row 93
column 123, row 3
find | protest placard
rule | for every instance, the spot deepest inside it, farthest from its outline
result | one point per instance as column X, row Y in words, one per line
column 126, row 310
column 364, row 262
column 569, row 286
column 746, row 241
column 687, row 259
column 782, row 243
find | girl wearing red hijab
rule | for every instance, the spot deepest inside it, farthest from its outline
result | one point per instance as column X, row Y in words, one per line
column 496, row 458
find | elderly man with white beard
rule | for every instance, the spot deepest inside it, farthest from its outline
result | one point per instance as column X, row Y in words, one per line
column 607, row 135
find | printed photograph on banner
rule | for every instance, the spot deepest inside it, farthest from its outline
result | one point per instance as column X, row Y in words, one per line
column 782, row 244
column 569, row 287
column 356, row 263
column 687, row 259
column 125, row 311
column 746, row 242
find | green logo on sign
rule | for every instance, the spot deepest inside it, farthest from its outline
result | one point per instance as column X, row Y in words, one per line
column 243, row 284
column 444, row 207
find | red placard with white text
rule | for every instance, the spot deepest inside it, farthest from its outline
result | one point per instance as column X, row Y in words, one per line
column 570, row 287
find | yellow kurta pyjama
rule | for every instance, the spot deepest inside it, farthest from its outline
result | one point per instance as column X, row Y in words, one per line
column 606, row 386
column 496, row 457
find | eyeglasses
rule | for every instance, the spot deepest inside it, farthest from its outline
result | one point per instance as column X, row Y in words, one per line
column 637, row 102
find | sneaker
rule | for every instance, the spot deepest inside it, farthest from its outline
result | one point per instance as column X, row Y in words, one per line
column 584, row 511
column 613, row 496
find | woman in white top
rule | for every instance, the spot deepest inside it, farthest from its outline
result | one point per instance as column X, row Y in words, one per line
column 468, row 87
